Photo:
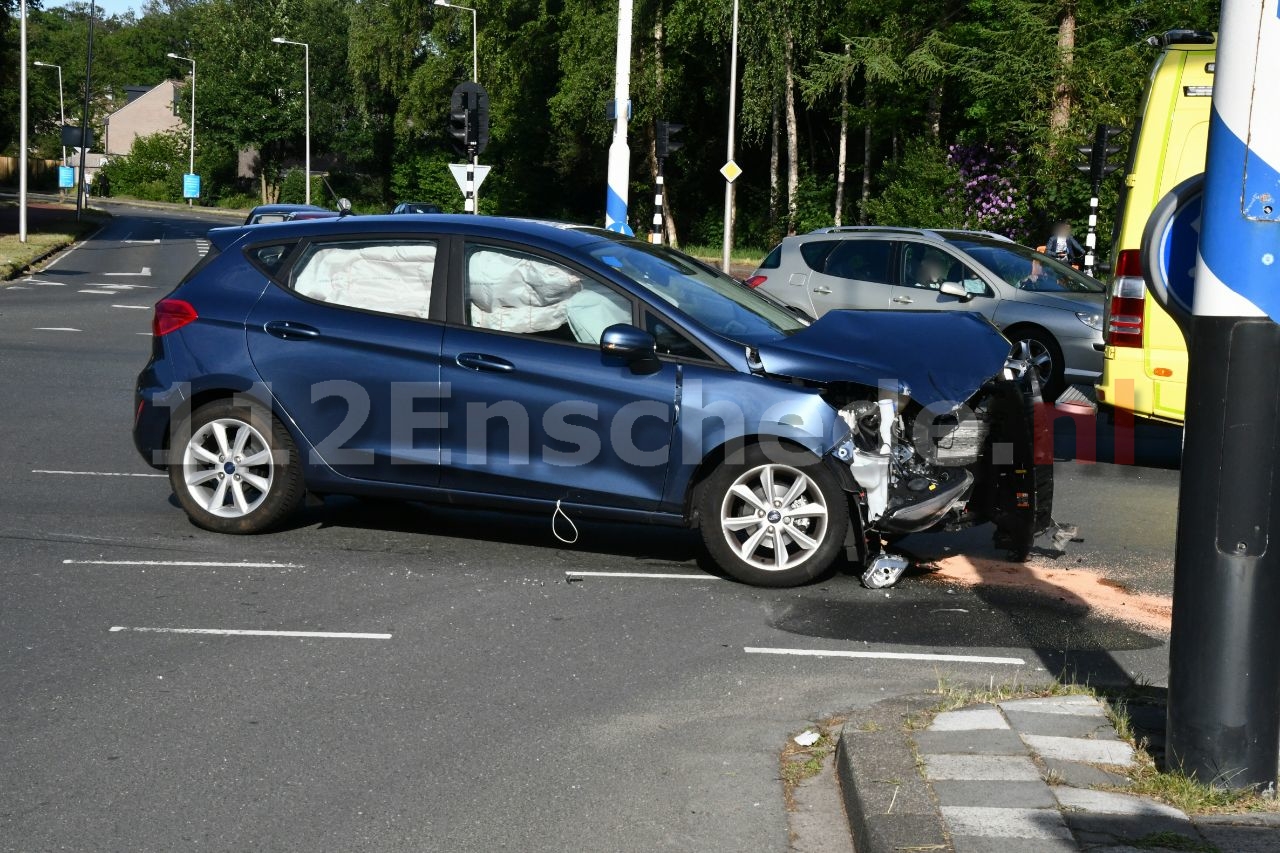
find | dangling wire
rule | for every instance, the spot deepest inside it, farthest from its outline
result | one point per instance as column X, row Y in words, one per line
column 556, row 533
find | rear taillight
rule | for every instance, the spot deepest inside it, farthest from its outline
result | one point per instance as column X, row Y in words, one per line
column 1128, row 295
column 171, row 315
column 756, row 280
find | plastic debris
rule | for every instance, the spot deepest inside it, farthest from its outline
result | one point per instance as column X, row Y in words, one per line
column 807, row 738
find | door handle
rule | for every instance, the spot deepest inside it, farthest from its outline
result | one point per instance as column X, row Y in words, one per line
column 821, row 289
column 480, row 361
column 289, row 331
column 903, row 300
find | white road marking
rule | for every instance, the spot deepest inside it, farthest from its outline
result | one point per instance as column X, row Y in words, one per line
column 655, row 575
column 16, row 287
column 202, row 564
column 137, row 307
column 54, row 329
column 48, row 283
column 833, row 653
column 146, row 273
column 118, row 287
column 156, row 240
column 98, row 292
column 230, row 632
column 92, row 473
column 146, row 334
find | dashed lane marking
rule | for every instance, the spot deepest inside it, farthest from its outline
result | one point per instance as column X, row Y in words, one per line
column 200, row 564
column 54, row 329
column 235, row 632
column 146, row 273
column 98, row 292
column 649, row 575
column 134, row 307
column 923, row 656
column 92, row 473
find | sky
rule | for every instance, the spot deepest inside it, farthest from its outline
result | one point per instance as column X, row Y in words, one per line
column 109, row 7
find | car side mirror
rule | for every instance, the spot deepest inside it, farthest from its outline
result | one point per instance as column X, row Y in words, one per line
column 956, row 289
column 634, row 347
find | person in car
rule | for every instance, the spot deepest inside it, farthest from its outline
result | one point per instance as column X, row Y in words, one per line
column 931, row 272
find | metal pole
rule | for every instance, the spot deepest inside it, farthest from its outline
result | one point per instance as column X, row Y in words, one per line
column 655, row 232
column 306, row 54
column 192, row 201
column 733, row 121
column 1224, row 680
column 615, row 198
column 22, row 119
column 475, row 78
column 1097, row 166
column 84, row 116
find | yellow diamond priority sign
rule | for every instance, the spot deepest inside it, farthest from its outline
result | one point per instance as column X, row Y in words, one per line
column 731, row 171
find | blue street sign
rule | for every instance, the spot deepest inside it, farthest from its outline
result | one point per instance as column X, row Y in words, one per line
column 191, row 186
column 66, row 177
column 1169, row 246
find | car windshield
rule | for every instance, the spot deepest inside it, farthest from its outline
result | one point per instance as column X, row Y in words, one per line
column 716, row 301
column 1026, row 269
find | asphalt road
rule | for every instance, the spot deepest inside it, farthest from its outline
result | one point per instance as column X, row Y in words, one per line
column 494, row 704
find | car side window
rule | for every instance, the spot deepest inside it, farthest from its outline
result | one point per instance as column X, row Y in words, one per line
column 815, row 253
column 672, row 342
column 386, row 276
column 862, row 260
column 513, row 291
column 927, row 268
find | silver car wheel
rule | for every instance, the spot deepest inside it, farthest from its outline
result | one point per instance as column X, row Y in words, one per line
column 1036, row 355
column 228, row 468
column 774, row 517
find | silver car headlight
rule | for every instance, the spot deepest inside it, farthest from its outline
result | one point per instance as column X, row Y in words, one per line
column 1092, row 320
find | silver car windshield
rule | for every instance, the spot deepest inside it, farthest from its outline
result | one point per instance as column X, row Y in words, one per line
column 1026, row 269
column 716, row 301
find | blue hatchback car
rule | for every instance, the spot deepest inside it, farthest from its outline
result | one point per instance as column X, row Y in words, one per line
column 537, row 366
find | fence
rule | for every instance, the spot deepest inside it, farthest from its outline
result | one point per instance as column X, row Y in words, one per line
column 42, row 174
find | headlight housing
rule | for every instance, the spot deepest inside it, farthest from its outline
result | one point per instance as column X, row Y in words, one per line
column 1091, row 319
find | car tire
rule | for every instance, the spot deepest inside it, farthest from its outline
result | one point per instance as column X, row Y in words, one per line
column 237, row 469
column 788, row 540
column 1044, row 351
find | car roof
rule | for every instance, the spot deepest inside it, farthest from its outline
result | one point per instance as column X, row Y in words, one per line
column 940, row 234
column 284, row 208
column 566, row 234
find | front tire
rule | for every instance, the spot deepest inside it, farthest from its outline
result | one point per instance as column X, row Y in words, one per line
column 1046, row 360
column 776, row 519
column 238, row 470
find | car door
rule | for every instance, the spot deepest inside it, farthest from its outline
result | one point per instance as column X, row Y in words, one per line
column 924, row 267
column 534, row 408
column 347, row 343
column 852, row 273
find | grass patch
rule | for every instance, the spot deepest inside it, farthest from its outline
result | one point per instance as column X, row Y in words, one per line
column 50, row 235
column 1171, row 841
column 744, row 255
column 798, row 763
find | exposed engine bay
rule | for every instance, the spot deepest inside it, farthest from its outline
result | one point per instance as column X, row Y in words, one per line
column 945, row 468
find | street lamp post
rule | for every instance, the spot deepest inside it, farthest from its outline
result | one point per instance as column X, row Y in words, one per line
column 22, row 119
column 62, row 109
column 727, row 249
column 192, row 168
column 475, row 78
column 475, row 56
column 306, row 56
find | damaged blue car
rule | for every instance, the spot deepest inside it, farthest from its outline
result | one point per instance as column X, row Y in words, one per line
column 562, row 369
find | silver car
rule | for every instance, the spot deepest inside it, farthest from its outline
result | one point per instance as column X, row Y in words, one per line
column 1032, row 298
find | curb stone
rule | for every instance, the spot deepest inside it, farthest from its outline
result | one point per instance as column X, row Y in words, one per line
column 889, row 805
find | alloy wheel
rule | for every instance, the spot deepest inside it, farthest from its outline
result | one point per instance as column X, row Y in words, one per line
column 774, row 517
column 228, row 468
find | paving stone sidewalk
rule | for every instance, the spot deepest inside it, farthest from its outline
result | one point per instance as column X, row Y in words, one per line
column 990, row 768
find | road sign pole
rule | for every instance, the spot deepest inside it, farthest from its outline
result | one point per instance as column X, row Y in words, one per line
column 469, row 205
column 1224, row 677
column 84, row 116
column 616, row 192
column 655, row 233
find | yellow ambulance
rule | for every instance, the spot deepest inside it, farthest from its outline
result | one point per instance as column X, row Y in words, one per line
column 1144, row 354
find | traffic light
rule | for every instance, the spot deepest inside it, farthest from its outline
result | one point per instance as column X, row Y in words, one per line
column 1097, row 154
column 469, row 118
column 665, row 144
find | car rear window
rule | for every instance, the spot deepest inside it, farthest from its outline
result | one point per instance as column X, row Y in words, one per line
column 773, row 260
column 815, row 253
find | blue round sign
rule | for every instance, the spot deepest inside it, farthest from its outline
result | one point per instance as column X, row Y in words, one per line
column 1170, row 246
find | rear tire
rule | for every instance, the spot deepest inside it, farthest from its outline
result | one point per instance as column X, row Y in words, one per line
column 238, row 470
column 778, row 518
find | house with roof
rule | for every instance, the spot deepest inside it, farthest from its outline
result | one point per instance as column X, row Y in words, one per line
column 147, row 110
